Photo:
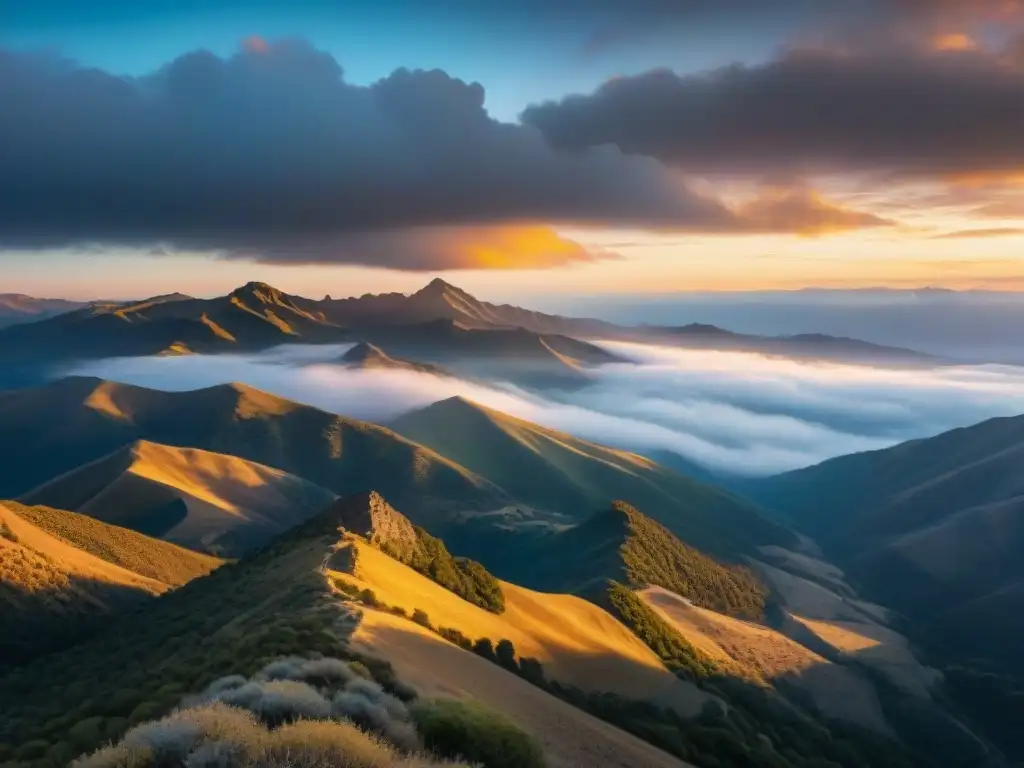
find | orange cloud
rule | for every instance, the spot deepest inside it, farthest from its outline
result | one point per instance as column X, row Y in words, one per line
column 437, row 248
column 512, row 247
column 969, row 234
column 956, row 41
column 804, row 212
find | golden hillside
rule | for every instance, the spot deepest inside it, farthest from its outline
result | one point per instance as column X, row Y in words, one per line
column 50, row 590
column 577, row 642
column 198, row 499
column 152, row 558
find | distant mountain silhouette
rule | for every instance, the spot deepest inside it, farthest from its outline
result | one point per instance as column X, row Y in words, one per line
column 254, row 316
column 18, row 308
column 810, row 346
column 433, row 325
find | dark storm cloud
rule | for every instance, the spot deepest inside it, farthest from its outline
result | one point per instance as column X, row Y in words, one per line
column 916, row 111
column 272, row 148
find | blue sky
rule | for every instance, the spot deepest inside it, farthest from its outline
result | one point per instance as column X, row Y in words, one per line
column 519, row 58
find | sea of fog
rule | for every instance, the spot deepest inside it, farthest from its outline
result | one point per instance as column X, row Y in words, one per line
column 737, row 412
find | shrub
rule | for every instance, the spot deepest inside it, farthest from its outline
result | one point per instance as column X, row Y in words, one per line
column 285, row 701
column 461, row 729
column 456, row 637
column 421, row 618
column 118, row 756
column 484, row 647
column 223, row 737
column 326, row 672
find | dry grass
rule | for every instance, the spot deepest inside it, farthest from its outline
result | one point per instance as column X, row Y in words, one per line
column 223, row 496
column 569, row 737
column 579, row 643
column 38, row 570
column 764, row 656
column 133, row 551
column 844, row 627
column 220, row 736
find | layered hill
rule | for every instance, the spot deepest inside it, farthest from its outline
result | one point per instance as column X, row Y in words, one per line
column 62, row 576
column 554, row 471
column 806, row 346
column 933, row 527
column 58, row 427
column 198, row 499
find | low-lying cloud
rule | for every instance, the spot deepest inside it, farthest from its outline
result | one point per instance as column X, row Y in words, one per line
column 734, row 412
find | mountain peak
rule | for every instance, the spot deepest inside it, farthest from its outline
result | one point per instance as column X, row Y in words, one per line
column 262, row 292
column 370, row 516
column 437, row 284
column 365, row 352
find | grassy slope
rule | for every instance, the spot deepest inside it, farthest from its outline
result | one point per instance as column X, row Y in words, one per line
column 929, row 526
column 275, row 603
column 223, row 504
column 624, row 545
column 762, row 654
column 569, row 736
column 233, row 620
column 159, row 560
column 578, row 643
column 57, row 427
column 51, row 590
column 554, row 471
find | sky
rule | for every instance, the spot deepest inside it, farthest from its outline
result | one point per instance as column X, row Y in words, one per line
column 533, row 148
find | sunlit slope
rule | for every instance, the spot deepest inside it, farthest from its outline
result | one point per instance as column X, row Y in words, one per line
column 252, row 316
column 277, row 602
column 620, row 543
column 759, row 653
column 58, row 427
column 577, row 642
column 569, row 737
column 143, row 555
column 838, row 625
column 560, row 473
column 929, row 527
column 198, row 499
column 50, row 589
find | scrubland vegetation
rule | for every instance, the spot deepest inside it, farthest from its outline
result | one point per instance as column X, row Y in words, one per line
column 652, row 555
column 160, row 560
column 466, row 578
column 316, row 713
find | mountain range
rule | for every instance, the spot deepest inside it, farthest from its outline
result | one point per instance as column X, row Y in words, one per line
column 156, row 540
column 612, row 574
column 439, row 324
column 18, row 308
